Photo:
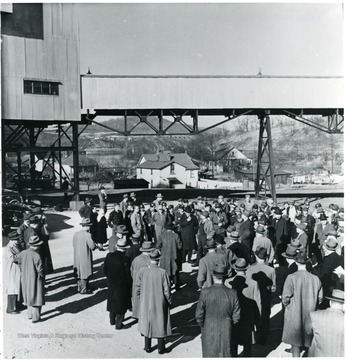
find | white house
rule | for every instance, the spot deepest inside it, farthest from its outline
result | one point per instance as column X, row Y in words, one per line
column 168, row 170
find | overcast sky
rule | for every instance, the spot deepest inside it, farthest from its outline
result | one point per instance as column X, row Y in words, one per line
column 211, row 39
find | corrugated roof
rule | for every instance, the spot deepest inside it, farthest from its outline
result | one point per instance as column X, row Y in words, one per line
column 182, row 159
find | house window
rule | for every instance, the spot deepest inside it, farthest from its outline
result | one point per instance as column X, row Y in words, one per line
column 151, row 171
column 192, row 174
column 172, row 169
column 141, row 171
column 41, row 87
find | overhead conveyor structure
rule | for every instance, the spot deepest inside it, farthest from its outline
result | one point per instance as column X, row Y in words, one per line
column 316, row 101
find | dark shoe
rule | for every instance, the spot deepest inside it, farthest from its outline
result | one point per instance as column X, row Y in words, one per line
column 35, row 321
column 147, row 350
column 123, row 327
column 13, row 312
column 165, row 351
column 113, row 323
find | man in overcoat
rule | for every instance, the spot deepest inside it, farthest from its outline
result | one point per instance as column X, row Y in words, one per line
column 265, row 276
column 280, row 226
column 170, row 244
column 117, row 271
column 86, row 210
column 153, row 287
column 12, row 273
column 322, row 229
column 327, row 328
column 83, row 259
column 189, row 226
column 119, row 233
column 246, row 231
column 325, row 271
column 217, row 312
column 32, row 278
column 261, row 241
column 207, row 264
column 302, row 292
column 138, row 263
column 115, row 218
column 159, row 220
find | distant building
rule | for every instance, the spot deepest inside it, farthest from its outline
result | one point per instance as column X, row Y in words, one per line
column 281, row 176
column 85, row 164
column 228, row 158
column 168, row 170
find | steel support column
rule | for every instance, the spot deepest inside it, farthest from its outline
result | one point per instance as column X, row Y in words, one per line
column 32, row 159
column 75, row 160
column 265, row 172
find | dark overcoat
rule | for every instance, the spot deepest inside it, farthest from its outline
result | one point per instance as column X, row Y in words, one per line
column 169, row 243
column 83, row 258
column 153, row 287
column 216, row 313
column 189, row 230
column 138, row 263
column 246, row 233
column 302, row 292
column 117, row 271
column 101, row 228
column 32, row 277
column 206, row 266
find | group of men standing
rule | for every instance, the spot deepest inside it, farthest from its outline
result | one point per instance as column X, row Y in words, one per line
column 28, row 261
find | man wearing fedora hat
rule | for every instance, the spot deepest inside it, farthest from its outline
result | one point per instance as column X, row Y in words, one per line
column 138, row 263
column 325, row 271
column 124, row 204
column 83, row 246
column 261, row 241
column 153, row 288
column 205, row 231
column 158, row 200
column 119, row 233
column 302, row 292
column 117, row 272
column 252, row 290
column 265, row 276
column 159, row 220
column 22, row 227
column 217, row 312
column 32, row 230
column 189, row 226
column 281, row 232
column 322, row 229
column 86, row 209
column 135, row 246
column 12, row 272
column 170, row 244
column 327, row 328
column 32, row 278
column 302, row 237
column 115, row 218
column 237, row 249
column 207, row 264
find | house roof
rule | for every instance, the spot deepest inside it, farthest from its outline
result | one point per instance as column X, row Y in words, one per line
column 83, row 160
column 182, row 159
column 154, row 164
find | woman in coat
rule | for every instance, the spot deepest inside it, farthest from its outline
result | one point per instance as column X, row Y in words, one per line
column 12, row 273
column 153, row 287
column 189, row 227
column 101, row 229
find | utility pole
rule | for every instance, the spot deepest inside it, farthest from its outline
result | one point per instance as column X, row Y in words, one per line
column 332, row 157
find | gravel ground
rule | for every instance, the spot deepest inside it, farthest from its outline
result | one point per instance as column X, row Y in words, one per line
column 77, row 326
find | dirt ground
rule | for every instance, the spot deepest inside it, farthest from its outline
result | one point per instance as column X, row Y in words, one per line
column 77, row 326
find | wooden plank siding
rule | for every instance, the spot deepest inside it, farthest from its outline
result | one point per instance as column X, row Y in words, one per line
column 55, row 58
column 112, row 92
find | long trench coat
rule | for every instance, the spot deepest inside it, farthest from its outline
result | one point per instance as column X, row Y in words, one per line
column 302, row 292
column 153, row 287
column 217, row 311
column 138, row 263
column 12, row 271
column 32, row 277
column 189, row 230
column 117, row 271
column 83, row 258
column 169, row 243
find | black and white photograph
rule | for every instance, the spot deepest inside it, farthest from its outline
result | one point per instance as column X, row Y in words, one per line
column 172, row 179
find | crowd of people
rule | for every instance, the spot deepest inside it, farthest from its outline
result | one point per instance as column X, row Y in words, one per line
column 247, row 253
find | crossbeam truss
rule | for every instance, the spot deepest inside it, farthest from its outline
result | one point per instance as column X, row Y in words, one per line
column 24, row 138
column 19, row 139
